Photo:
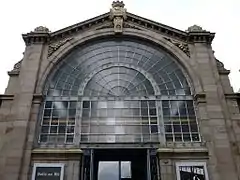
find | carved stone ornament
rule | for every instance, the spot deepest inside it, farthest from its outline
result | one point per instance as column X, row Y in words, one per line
column 106, row 26
column 220, row 65
column 180, row 45
column 16, row 68
column 53, row 47
column 126, row 25
column 195, row 28
column 118, row 15
column 41, row 29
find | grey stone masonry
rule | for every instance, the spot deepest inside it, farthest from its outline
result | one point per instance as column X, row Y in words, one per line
column 217, row 106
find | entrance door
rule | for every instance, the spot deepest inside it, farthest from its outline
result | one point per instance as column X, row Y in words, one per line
column 114, row 170
column 120, row 164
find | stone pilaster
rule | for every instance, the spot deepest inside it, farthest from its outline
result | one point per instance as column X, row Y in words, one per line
column 213, row 117
column 17, row 122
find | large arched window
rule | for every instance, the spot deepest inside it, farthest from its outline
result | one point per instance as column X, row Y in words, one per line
column 118, row 91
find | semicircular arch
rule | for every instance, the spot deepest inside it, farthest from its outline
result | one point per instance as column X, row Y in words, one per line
column 183, row 60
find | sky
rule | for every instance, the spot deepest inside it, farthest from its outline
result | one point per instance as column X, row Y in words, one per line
column 219, row 16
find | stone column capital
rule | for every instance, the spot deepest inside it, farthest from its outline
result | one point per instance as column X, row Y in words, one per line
column 196, row 34
column 40, row 35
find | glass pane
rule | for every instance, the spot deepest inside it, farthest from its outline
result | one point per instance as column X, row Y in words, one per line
column 48, row 104
column 73, row 104
column 126, row 169
column 120, row 122
column 108, row 170
column 86, row 104
column 47, row 112
column 43, row 138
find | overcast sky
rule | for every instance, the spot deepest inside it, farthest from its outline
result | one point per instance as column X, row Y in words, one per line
column 22, row 16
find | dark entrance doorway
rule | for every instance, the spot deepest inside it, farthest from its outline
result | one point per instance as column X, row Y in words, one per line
column 120, row 164
column 130, row 164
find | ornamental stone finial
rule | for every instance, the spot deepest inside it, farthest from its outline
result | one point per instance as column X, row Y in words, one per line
column 118, row 4
column 41, row 29
column 118, row 15
column 195, row 28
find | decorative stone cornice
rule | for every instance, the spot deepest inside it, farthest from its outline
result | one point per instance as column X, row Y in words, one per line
column 127, row 25
column 181, row 45
column 204, row 37
column 118, row 19
column 55, row 46
column 40, row 35
column 197, row 34
column 80, row 27
column 118, row 15
column 105, row 26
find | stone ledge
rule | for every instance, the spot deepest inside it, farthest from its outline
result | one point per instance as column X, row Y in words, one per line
column 55, row 154
column 224, row 72
column 182, row 150
column 183, row 153
column 232, row 96
column 13, row 73
column 6, row 97
column 56, row 151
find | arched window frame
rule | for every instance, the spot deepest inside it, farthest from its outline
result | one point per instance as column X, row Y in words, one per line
column 157, row 96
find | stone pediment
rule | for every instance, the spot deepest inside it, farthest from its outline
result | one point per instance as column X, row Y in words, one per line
column 132, row 21
column 118, row 19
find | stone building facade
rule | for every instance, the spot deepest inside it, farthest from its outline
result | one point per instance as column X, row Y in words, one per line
column 119, row 97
